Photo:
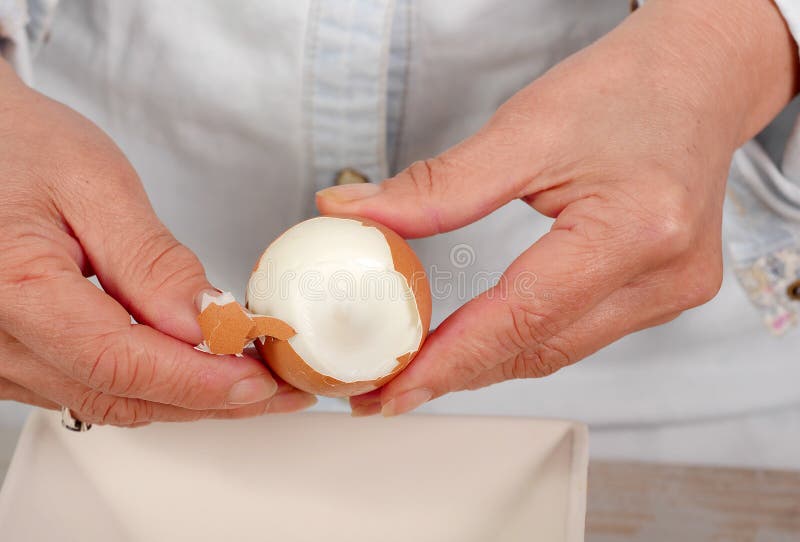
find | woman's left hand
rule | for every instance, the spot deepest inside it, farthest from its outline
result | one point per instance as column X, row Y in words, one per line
column 627, row 145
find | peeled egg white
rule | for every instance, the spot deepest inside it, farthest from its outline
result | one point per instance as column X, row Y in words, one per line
column 357, row 297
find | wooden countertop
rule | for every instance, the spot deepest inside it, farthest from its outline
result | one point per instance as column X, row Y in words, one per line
column 668, row 503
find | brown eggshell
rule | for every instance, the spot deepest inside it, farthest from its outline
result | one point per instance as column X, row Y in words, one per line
column 267, row 326
column 407, row 264
column 287, row 364
column 228, row 328
column 284, row 361
column 225, row 328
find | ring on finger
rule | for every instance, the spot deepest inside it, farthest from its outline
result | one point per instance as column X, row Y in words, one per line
column 68, row 421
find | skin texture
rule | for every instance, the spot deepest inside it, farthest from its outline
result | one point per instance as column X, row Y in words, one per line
column 627, row 145
column 71, row 206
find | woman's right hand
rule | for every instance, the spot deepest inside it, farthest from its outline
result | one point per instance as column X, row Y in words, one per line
column 72, row 206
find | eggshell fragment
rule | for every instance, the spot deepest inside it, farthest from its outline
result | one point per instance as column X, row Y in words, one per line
column 228, row 327
column 266, row 326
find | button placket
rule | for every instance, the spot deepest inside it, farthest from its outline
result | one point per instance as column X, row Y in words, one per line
column 346, row 90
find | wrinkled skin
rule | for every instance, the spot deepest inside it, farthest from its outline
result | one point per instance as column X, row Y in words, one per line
column 71, row 206
column 627, row 145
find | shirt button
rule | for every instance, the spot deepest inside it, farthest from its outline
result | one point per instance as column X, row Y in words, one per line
column 350, row 176
column 793, row 290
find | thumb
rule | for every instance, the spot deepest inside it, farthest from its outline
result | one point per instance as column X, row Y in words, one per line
column 139, row 262
column 456, row 188
column 157, row 279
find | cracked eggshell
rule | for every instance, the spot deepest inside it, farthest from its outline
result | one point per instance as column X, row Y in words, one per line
column 225, row 328
column 228, row 328
column 360, row 327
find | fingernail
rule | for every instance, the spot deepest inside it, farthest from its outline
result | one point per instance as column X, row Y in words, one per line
column 203, row 297
column 406, row 402
column 369, row 409
column 291, row 402
column 251, row 390
column 347, row 193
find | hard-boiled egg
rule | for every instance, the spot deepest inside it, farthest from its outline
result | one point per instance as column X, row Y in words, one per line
column 356, row 297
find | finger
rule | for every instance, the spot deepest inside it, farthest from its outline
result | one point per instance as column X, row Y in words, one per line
column 551, row 285
column 19, row 365
column 459, row 186
column 290, row 402
column 286, row 400
column 67, row 321
column 10, row 391
column 621, row 314
column 577, row 269
column 156, row 278
column 21, row 369
column 593, row 249
column 95, row 196
column 626, row 311
column 135, row 257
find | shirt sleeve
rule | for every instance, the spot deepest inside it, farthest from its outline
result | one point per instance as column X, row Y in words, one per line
column 14, row 45
column 790, row 9
column 762, row 215
column 24, row 25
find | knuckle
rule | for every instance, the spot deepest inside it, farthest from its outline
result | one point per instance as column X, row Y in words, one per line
column 101, row 408
column 659, row 223
column 29, row 260
column 86, row 405
column 124, row 367
column 526, row 328
column 709, row 287
column 100, row 372
column 24, row 287
column 700, row 284
column 190, row 388
column 429, row 179
column 520, row 366
column 163, row 261
column 670, row 237
column 423, row 175
column 670, row 228
column 124, row 412
column 116, row 366
column 536, row 362
column 551, row 357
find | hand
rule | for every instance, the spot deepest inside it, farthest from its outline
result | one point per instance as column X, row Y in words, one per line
column 627, row 145
column 70, row 206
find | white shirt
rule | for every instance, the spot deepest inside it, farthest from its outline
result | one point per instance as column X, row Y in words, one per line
column 235, row 114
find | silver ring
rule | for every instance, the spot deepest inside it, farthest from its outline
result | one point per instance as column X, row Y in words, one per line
column 72, row 423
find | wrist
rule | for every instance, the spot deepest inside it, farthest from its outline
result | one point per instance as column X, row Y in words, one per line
column 736, row 58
